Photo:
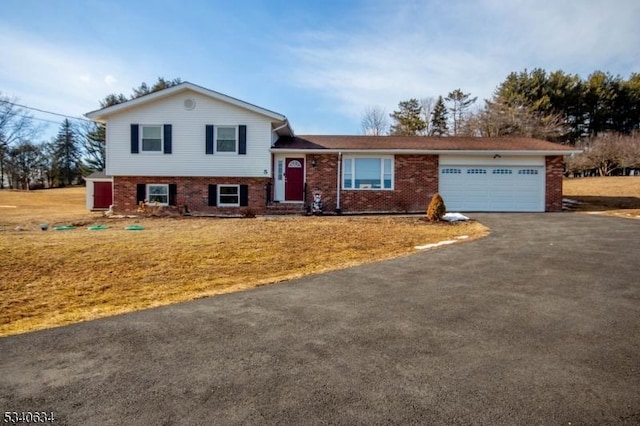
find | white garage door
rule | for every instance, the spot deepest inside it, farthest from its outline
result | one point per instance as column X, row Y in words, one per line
column 492, row 188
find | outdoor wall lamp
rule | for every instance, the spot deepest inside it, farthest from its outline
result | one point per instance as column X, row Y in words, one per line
column 314, row 162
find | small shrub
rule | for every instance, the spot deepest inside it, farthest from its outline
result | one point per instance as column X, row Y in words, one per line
column 248, row 213
column 436, row 209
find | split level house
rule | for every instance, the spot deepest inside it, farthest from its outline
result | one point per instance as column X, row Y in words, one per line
column 188, row 147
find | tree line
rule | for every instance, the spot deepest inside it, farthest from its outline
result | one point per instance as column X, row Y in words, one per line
column 77, row 150
column 600, row 111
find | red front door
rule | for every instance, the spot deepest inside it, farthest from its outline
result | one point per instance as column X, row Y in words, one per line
column 294, row 179
column 102, row 195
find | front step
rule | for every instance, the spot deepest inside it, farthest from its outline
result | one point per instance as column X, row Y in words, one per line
column 285, row 208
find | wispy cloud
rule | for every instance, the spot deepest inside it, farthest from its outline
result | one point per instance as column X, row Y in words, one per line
column 63, row 79
column 417, row 49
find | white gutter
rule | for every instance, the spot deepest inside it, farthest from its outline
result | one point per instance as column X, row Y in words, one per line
column 424, row 151
column 286, row 124
column 338, row 208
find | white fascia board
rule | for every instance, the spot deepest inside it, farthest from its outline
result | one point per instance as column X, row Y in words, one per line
column 101, row 114
column 422, row 151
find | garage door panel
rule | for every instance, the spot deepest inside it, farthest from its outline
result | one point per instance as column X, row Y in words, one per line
column 482, row 188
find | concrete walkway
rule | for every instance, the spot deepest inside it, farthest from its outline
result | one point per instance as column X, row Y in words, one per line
column 539, row 323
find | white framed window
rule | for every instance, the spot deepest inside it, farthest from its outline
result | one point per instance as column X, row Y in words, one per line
column 151, row 138
column 229, row 195
column 227, row 139
column 367, row 173
column 158, row 193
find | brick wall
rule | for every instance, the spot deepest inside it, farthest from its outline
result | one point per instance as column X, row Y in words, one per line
column 415, row 182
column 553, row 190
column 191, row 191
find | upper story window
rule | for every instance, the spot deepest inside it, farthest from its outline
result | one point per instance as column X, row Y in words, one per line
column 151, row 138
column 226, row 139
column 367, row 173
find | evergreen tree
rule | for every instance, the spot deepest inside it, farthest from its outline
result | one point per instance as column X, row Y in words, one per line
column 67, row 153
column 408, row 120
column 439, row 119
column 143, row 89
column 601, row 103
column 112, row 99
column 459, row 106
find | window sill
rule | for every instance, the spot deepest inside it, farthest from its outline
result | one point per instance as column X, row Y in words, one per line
column 367, row 189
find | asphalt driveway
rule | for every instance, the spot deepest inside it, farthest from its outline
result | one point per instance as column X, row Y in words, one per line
column 539, row 323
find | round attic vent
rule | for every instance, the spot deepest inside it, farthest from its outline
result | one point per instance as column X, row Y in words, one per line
column 189, row 104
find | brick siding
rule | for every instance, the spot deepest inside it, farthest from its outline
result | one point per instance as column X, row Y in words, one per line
column 553, row 185
column 415, row 182
column 192, row 192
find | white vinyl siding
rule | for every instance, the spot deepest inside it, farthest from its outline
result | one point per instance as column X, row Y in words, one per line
column 189, row 140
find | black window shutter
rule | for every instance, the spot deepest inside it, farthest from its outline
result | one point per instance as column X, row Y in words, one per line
column 213, row 195
column 173, row 191
column 244, row 195
column 209, row 139
column 141, row 192
column 242, row 139
column 134, row 139
column 167, row 138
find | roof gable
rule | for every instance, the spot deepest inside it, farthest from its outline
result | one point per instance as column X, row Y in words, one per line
column 104, row 113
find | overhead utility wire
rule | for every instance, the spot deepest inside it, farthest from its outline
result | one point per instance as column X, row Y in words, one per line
column 39, row 119
column 47, row 112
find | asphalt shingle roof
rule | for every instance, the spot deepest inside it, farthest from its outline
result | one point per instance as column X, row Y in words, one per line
column 418, row 143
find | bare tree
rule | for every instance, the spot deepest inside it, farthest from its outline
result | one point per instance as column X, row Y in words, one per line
column 427, row 104
column 25, row 161
column 631, row 152
column 374, row 121
column 16, row 125
column 502, row 119
column 459, row 104
column 605, row 153
column 92, row 140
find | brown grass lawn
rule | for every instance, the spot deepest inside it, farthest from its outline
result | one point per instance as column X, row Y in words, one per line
column 617, row 195
column 58, row 277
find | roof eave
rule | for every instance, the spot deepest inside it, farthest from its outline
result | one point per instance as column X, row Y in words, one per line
column 423, row 151
column 103, row 113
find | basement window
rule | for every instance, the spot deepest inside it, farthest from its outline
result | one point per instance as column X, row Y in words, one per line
column 229, row 195
column 158, row 194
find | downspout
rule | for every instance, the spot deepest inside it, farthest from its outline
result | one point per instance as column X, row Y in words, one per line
column 338, row 208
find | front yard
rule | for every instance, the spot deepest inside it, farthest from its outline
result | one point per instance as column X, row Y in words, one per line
column 50, row 278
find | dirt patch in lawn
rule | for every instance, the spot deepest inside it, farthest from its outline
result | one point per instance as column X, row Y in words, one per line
column 50, row 278
column 617, row 195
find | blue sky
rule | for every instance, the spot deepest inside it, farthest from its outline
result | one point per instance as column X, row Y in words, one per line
column 320, row 63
